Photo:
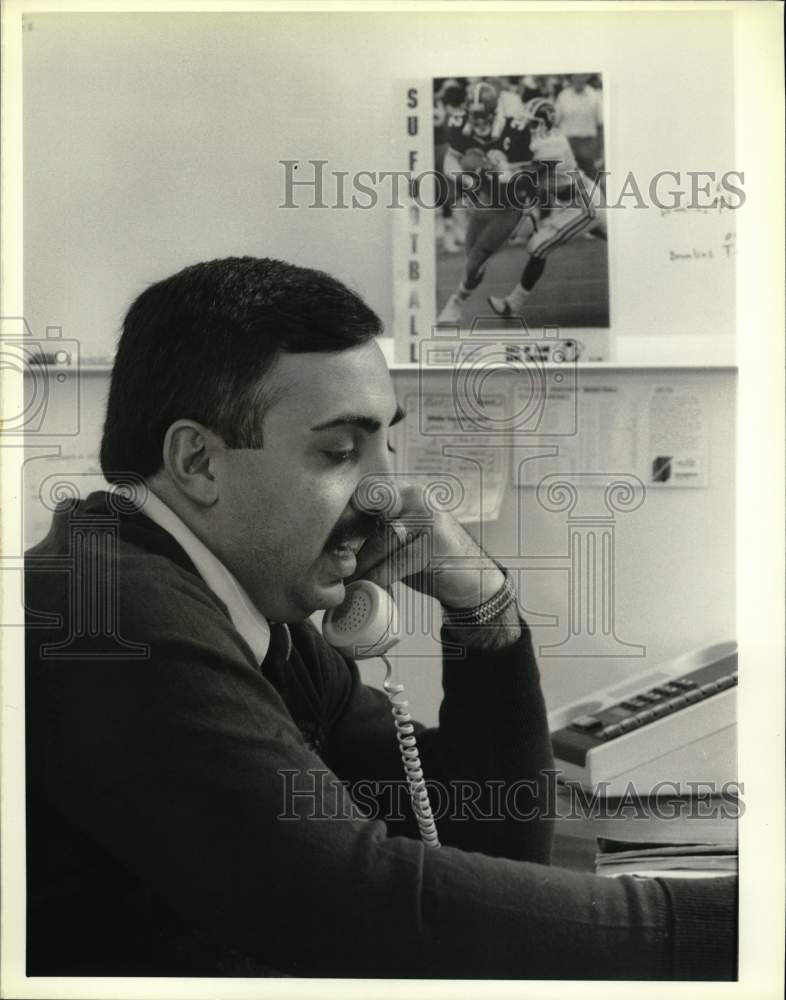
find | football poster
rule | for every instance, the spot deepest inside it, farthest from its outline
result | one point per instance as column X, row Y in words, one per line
column 501, row 228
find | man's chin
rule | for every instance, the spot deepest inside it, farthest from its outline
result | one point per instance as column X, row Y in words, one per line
column 326, row 587
column 323, row 595
column 302, row 605
column 332, row 595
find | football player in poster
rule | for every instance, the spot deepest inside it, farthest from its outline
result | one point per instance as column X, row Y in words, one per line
column 485, row 163
column 517, row 183
column 565, row 207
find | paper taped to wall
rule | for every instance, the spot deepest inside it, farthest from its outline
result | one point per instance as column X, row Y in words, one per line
column 676, row 436
column 472, row 465
column 661, row 438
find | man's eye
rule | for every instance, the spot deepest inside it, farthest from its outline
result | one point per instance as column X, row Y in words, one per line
column 340, row 457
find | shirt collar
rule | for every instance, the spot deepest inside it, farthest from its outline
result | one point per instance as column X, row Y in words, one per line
column 246, row 617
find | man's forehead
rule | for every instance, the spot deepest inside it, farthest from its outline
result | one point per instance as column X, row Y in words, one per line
column 320, row 386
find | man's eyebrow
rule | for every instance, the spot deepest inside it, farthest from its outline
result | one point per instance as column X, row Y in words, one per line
column 370, row 424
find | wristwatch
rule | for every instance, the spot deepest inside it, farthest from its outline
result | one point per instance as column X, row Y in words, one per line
column 484, row 613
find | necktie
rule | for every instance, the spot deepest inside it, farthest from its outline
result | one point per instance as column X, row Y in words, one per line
column 280, row 643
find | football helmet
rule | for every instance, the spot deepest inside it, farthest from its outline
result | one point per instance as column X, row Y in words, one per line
column 542, row 113
column 482, row 106
column 453, row 97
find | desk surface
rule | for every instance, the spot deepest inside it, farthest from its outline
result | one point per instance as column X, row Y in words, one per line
column 673, row 819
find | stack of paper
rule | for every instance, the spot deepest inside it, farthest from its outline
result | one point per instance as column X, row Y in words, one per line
column 647, row 859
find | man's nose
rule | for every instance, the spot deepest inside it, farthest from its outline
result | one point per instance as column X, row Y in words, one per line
column 378, row 493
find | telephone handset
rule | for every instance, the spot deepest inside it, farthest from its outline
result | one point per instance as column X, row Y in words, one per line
column 366, row 624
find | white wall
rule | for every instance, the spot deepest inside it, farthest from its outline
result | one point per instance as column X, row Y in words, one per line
column 153, row 141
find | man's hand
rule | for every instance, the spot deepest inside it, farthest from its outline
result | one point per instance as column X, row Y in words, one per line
column 426, row 548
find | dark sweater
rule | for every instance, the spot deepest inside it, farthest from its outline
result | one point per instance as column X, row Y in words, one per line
column 161, row 841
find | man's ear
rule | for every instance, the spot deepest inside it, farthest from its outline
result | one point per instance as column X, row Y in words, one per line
column 188, row 454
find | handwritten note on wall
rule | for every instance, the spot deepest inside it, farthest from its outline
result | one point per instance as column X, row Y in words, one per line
column 679, row 266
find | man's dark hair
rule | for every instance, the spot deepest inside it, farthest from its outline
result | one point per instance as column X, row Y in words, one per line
column 197, row 345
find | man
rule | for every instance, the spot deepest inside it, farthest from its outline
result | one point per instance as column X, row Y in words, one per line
column 509, row 103
column 580, row 117
column 186, row 807
column 566, row 209
column 448, row 109
column 502, row 191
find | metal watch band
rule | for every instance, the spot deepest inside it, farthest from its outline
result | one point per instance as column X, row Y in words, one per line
column 484, row 613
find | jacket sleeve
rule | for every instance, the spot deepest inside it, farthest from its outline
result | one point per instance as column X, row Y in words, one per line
column 488, row 764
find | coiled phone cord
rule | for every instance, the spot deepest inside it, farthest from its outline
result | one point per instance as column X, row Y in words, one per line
column 405, row 734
